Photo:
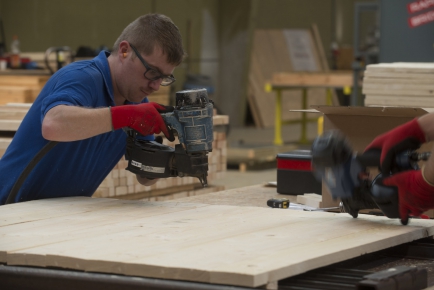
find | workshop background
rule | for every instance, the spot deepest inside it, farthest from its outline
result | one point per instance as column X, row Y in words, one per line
column 280, row 73
column 223, row 39
column 217, row 34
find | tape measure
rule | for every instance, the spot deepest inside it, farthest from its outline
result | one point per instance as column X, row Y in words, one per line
column 278, row 203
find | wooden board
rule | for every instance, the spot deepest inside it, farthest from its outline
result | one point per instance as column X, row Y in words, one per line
column 399, row 84
column 9, row 125
column 23, row 80
column 223, row 244
column 255, row 195
column 16, row 94
column 330, row 79
column 270, row 54
column 400, row 101
column 402, row 67
column 310, row 199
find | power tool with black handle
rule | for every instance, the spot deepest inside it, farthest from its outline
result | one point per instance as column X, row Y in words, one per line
column 346, row 174
column 192, row 121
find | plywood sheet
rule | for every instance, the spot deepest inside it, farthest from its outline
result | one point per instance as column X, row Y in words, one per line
column 223, row 244
column 403, row 67
column 399, row 84
column 270, row 54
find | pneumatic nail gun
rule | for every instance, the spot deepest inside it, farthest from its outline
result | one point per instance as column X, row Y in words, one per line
column 346, row 174
column 192, row 121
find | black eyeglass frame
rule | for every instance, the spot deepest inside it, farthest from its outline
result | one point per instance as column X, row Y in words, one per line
column 171, row 78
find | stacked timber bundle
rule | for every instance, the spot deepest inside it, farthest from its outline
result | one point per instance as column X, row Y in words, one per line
column 399, row 84
column 20, row 88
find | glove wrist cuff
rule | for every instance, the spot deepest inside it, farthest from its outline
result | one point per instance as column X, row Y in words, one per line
column 416, row 130
column 424, row 178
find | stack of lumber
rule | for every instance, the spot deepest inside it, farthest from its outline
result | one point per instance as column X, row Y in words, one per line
column 121, row 183
column 399, row 84
column 21, row 88
column 224, row 244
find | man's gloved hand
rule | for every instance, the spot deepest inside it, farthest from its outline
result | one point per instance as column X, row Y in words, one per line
column 408, row 136
column 415, row 194
column 144, row 118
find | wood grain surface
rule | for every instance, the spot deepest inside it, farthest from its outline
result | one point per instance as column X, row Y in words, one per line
column 223, row 244
column 399, row 84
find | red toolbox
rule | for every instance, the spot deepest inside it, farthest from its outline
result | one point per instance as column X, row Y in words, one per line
column 294, row 173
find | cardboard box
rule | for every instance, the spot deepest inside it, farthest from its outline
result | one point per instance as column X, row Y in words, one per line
column 362, row 124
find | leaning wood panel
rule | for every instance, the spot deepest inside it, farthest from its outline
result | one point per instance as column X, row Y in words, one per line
column 245, row 246
column 270, row 54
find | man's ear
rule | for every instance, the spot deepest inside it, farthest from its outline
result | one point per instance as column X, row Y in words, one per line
column 123, row 50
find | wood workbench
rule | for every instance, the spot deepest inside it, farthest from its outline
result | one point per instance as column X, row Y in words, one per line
column 224, row 238
column 303, row 81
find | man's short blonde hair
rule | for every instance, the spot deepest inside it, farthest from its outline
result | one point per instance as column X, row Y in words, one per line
column 151, row 30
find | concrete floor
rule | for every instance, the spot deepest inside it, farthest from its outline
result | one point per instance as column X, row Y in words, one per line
column 251, row 136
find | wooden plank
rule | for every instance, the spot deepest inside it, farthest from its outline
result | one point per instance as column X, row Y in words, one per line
column 398, row 86
column 7, row 113
column 404, row 81
column 270, row 55
column 9, row 125
column 389, row 89
column 403, row 67
column 310, row 199
column 340, row 79
column 418, row 76
column 23, row 80
column 255, row 195
column 319, row 48
column 400, row 100
column 243, row 246
column 17, row 94
column 4, row 143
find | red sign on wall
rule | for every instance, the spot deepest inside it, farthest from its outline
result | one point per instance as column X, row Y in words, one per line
column 421, row 19
column 419, row 5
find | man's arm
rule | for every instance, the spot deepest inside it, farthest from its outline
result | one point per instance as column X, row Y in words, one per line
column 415, row 187
column 71, row 123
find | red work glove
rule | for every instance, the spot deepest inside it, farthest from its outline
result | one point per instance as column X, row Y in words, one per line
column 415, row 194
column 408, row 136
column 144, row 118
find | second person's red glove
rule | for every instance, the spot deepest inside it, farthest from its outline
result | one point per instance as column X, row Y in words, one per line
column 415, row 194
column 408, row 136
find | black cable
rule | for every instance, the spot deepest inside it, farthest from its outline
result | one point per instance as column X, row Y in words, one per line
column 28, row 169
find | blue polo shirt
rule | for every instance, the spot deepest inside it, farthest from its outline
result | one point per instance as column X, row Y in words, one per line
column 70, row 168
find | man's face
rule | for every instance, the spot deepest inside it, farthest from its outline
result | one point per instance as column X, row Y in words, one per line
column 136, row 75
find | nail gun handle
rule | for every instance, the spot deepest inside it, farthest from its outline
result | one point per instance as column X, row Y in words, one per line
column 370, row 158
column 386, row 197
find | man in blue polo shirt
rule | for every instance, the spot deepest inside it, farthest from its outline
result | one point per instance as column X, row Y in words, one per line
column 83, row 106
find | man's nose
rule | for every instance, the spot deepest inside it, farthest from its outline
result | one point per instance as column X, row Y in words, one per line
column 155, row 85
